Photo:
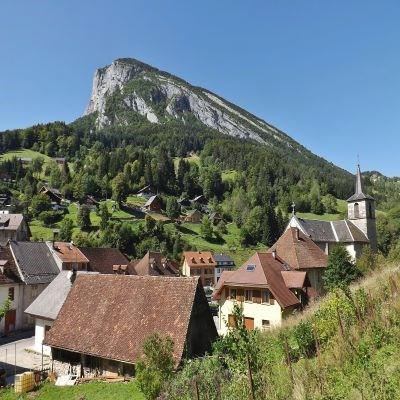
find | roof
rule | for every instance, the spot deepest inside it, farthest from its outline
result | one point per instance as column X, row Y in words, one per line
column 154, row 263
column 147, row 188
column 298, row 250
column 222, row 258
column 294, row 279
column 112, row 315
column 34, row 261
column 10, row 272
column 10, row 222
column 48, row 304
column 194, row 212
column 102, row 259
column 151, row 200
column 358, row 194
column 266, row 271
column 224, row 277
column 330, row 231
column 199, row 258
column 68, row 253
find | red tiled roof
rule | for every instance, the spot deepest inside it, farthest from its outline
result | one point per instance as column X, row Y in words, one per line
column 199, row 259
column 299, row 251
column 111, row 316
column 154, row 263
column 69, row 253
column 102, row 259
column 262, row 270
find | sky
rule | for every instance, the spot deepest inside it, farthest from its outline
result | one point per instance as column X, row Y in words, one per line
column 326, row 73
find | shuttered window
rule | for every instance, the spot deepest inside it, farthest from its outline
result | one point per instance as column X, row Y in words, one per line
column 257, row 296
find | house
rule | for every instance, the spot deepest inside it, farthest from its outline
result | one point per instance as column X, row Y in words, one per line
column 184, row 202
column 146, row 191
column 105, row 260
column 201, row 200
column 11, row 287
column 223, row 263
column 266, row 287
column 36, row 268
column 67, row 256
column 48, row 304
column 5, row 200
column 154, row 263
column 13, row 227
column 117, row 313
column 91, row 202
column 54, row 194
column 194, row 217
column 154, row 204
column 355, row 232
column 302, row 254
column 199, row 263
column 215, row 218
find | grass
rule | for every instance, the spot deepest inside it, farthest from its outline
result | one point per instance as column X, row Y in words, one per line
column 194, row 158
column 26, row 153
column 86, row 391
column 229, row 175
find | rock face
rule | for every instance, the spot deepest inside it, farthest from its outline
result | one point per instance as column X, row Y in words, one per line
column 128, row 85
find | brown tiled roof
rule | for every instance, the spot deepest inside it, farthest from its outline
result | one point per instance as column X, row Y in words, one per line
column 294, row 279
column 102, row 259
column 69, row 253
column 110, row 316
column 262, row 270
column 154, row 263
column 199, row 259
column 224, row 276
column 298, row 250
column 10, row 222
column 10, row 274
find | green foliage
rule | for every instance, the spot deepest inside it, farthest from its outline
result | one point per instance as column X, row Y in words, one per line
column 173, row 209
column 50, row 217
column 105, row 216
column 40, row 203
column 66, row 228
column 83, row 217
column 5, row 307
column 340, row 270
column 206, row 228
column 156, row 366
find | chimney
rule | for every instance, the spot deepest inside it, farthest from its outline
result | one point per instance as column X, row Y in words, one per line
column 115, row 268
column 274, row 253
column 55, row 235
column 297, row 233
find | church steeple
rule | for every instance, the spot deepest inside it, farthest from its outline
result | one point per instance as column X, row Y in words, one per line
column 358, row 181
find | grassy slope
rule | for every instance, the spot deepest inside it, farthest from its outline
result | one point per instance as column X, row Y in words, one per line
column 87, row 391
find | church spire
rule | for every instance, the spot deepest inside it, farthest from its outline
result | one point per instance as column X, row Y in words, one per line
column 359, row 189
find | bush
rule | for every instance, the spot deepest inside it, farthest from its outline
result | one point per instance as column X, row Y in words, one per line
column 50, row 217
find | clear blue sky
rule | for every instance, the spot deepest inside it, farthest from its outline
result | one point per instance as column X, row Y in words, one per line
column 326, row 73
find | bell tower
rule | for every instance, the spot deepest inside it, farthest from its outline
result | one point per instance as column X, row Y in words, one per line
column 361, row 211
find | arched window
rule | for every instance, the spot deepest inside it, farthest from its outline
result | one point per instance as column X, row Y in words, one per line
column 356, row 211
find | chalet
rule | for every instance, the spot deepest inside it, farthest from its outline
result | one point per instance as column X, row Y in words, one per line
column 117, row 313
column 154, row 263
column 194, row 217
column 35, row 268
column 13, row 227
column 199, row 200
column 91, row 202
column 48, row 304
column 104, row 260
column 215, row 218
column 147, row 191
column 184, row 202
column 67, row 256
column 223, row 263
column 266, row 287
column 199, row 263
column 302, row 254
column 355, row 232
column 54, row 194
column 154, row 204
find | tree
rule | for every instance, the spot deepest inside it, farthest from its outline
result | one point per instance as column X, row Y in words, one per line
column 330, row 204
column 37, row 165
column 156, row 366
column 206, row 229
column 40, row 203
column 105, row 216
column 5, row 308
column 66, row 227
column 173, row 209
column 119, row 187
column 83, row 217
column 340, row 270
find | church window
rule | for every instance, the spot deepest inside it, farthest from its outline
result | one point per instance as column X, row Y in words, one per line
column 356, row 211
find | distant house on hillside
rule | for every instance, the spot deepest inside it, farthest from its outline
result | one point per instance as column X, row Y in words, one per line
column 184, row 202
column 266, row 287
column 194, row 217
column 91, row 202
column 13, row 227
column 117, row 313
column 302, row 254
column 154, row 204
column 146, row 191
column 48, row 304
column 154, row 263
column 54, row 194
column 215, row 218
column 201, row 200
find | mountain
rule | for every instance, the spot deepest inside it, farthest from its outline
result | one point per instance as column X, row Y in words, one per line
column 128, row 87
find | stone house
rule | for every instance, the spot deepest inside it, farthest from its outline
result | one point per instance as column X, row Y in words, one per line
column 117, row 313
column 199, row 263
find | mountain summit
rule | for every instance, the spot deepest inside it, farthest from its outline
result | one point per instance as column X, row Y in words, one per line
column 128, row 89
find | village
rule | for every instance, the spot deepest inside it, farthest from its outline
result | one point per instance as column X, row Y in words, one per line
column 92, row 309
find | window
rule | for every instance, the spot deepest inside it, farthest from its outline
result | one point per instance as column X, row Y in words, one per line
column 265, row 296
column 11, row 293
column 356, row 210
column 265, row 324
column 233, row 294
column 250, row 268
column 248, row 295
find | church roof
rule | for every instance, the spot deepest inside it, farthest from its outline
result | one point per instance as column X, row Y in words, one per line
column 359, row 195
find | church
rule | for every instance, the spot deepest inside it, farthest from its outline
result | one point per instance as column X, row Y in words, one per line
column 355, row 232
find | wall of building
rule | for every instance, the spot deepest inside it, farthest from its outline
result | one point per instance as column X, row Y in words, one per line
column 15, row 304
column 40, row 329
column 30, row 293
